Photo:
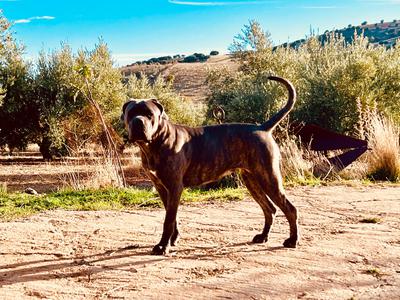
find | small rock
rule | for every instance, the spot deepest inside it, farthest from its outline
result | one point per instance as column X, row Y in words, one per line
column 31, row 191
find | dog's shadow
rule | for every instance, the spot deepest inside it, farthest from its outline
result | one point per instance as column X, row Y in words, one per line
column 70, row 267
column 86, row 266
column 210, row 252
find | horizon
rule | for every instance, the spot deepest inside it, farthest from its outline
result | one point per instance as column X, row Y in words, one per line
column 142, row 30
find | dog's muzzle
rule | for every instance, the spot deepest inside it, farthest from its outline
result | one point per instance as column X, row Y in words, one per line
column 138, row 130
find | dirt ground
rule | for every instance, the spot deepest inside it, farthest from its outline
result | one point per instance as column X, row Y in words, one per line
column 105, row 254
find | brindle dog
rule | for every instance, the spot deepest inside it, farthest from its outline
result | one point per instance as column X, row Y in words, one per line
column 177, row 156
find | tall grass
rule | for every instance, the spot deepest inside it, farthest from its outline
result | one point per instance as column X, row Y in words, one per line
column 97, row 170
column 384, row 157
column 301, row 165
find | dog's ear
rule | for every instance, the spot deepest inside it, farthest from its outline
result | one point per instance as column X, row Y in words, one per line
column 126, row 104
column 124, row 108
column 161, row 108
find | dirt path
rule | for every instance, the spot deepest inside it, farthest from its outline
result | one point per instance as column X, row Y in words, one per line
column 95, row 255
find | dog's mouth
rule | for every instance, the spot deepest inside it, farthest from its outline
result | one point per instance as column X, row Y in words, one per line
column 139, row 131
column 139, row 137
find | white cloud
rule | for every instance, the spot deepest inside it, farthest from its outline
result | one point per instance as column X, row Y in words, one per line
column 20, row 21
column 217, row 3
column 28, row 20
column 43, row 18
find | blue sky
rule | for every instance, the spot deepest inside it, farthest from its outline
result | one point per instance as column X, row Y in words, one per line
column 137, row 29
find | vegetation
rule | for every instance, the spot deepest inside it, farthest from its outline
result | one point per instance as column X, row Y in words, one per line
column 56, row 92
column 178, row 109
column 340, row 86
column 384, row 158
column 196, row 57
column 13, row 205
column 382, row 33
column 372, row 220
column 178, row 58
column 51, row 93
column 374, row 272
column 15, row 92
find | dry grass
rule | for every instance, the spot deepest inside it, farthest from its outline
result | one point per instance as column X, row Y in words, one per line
column 300, row 164
column 100, row 171
column 384, row 158
column 294, row 165
column 382, row 162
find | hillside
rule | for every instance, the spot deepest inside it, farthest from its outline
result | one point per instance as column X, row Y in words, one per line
column 189, row 78
column 383, row 33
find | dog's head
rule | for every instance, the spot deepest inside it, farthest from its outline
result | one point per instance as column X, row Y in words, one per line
column 142, row 119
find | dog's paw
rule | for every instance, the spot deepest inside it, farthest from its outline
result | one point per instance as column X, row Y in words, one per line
column 259, row 238
column 290, row 243
column 159, row 250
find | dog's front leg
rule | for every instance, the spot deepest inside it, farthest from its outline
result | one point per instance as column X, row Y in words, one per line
column 171, row 204
column 163, row 192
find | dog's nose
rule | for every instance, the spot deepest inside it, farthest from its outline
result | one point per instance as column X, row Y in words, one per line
column 138, row 123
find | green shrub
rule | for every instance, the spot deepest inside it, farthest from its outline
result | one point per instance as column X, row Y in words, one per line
column 338, row 83
column 15, row 93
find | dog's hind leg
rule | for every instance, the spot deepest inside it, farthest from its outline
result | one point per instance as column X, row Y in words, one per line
column 261, row 198
column 272, row 186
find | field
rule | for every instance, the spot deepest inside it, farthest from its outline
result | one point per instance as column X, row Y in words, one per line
column 189, row 78
column 349, row 249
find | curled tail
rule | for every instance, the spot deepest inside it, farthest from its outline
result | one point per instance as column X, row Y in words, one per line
column 271, row 123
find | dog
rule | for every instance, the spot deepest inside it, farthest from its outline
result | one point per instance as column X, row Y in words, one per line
column 178, row 156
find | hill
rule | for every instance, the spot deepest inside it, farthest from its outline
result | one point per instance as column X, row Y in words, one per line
column 383, row 33
column 189, row 78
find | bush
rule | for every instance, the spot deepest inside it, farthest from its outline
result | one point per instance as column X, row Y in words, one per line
column 247, row 95
column 54, row 96
column 214, row 52
column 15, row 93
column 196, row 57
column 54, row 100
column 338, row 83
column 190, row 59
column 178, row 109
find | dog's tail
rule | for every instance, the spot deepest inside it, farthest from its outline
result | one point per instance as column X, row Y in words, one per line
column 271, row 123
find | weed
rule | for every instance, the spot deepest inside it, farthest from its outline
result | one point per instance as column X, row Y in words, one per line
column 372, row 220
column 374, row 272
